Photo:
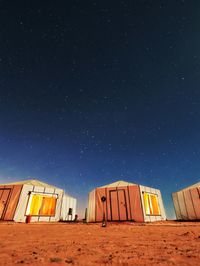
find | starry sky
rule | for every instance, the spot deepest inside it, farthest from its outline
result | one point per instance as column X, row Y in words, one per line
column 97, row 91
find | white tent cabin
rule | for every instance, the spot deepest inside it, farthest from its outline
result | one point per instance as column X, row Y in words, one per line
column 187, row 203
column 39, row 200
column 125, row 201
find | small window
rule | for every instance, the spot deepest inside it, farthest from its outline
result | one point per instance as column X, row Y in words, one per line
column 151, row 204
column 40, row 205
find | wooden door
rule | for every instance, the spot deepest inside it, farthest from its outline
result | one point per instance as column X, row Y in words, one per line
column 114, row 205
column 4, row 196
column 118, row 205
column 122, row 205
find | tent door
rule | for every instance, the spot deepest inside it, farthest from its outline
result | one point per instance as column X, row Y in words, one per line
column 118, row 205
column 122, row 205
column 114, row 210
column 4, row 196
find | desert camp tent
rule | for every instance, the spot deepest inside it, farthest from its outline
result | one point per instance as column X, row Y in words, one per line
column 187, row 203
column 41, row 201
column 125, row 202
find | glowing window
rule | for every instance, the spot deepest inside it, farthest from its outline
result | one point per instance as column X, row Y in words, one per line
column 41, row 205
column 151, row 204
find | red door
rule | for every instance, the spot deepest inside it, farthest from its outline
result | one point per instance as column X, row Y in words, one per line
column 114, row 205
column 122, row 205
column 118, row 205
column 4, row 196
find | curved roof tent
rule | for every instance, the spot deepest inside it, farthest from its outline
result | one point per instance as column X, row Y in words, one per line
column 125, row 201
column 187, row 203
column 43, row 202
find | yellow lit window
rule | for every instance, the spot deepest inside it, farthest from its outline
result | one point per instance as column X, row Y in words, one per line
column 40, row 205
column 151, row 204
column 48, row 206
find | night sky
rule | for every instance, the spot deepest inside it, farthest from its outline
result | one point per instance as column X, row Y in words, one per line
column 97, row 91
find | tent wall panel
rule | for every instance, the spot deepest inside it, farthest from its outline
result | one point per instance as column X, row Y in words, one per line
column 4, row 200
column 142, row 190
column 176, row 206
column 20, row 213
column 13, row 201
column 161, row 204
column 1, row 191
column 153, row 191
column 34, row 219
column 100, row 192
column 38, row 189
column 6, row 194
column 68, row 202
column 49, row 190
column 152, row 218
column 91, row 206
column 8, row 200
column 9, row 196
column 136, row 211
column 72, row 205
column 181, row 201
column 189, row 205
column 128, row 204
column 65, row 209
column 42, row 219
column 196, row 201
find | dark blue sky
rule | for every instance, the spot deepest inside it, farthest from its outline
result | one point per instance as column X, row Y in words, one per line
column 96, row 91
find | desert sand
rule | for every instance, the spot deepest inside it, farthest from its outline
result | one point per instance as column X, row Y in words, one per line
column 164, row 243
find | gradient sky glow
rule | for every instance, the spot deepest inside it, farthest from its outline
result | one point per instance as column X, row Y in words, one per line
column 97, row 91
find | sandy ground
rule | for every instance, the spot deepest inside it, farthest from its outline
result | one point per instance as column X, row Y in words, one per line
column 167, row 243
